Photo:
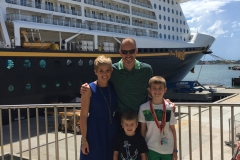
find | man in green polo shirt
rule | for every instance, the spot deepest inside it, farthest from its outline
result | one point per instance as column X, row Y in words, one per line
column 130, row 79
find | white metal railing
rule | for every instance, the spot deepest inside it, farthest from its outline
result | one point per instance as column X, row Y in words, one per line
column 45, row 7
column 39, row 137
column 112, row 6
column 2, row 44
column 141, row 14
column 141, row 4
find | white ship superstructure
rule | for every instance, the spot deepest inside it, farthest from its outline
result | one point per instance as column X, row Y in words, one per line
column 100, row 21
column 47, row 47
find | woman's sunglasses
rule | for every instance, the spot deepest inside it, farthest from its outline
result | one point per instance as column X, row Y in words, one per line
column 128, row 51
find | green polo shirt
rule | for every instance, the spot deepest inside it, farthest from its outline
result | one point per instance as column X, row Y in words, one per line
column 131, row 86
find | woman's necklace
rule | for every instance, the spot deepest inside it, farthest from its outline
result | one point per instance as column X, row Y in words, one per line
column 108, row 104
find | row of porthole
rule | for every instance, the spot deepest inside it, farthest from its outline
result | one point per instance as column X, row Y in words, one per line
column 164, row 9
column 169, row 19
column 169, row 37
column 169, row 28
column 43, row 85
column 42, row 63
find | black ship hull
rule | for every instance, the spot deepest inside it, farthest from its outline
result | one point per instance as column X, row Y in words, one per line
column 61, row 77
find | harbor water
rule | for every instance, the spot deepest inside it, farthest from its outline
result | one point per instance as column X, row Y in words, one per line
column 213, row 75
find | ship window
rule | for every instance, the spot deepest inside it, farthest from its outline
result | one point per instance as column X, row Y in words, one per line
column 90, row 62
column 160, row 35
column 176, row 12
column 10, row 88
column 187, row 30
column 172, row 28
column 28, row 86
column 180, row 13
column 172, row 3
column 164, row 27
column 176, row 20
column 69, row 83
column 165, row 36
column 173, row 20
column 27, row 64
column 180, row 29
column 155, row 6
column 80, row 62
column 184, row 22
column 163, row 0
column 145, row 50
column 177, row 38
column 56, row 63
column 42, row 63
column 184, row 30
column 173, row 37
column 159, row 7
column 160, row 26
column 164, row 18
column 168, row 19
column 168, row 10
column 164, row 9
column 168, row 1
column 44, row 85
column 177, row 29
column 57, row 84
column 172, row 11
column 169, row 28
column 160, row 16
column 69, row 62
column 184, row 39
column 9, row 64
column 169, row 37
column 180, row 21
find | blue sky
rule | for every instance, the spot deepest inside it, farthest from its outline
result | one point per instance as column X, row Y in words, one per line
column 219, row 18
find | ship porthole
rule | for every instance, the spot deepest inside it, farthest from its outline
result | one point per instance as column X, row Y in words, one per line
column 80, row 62
column 57, row 84
column 44, row 85
column 9, row 64
column 42, row 63
column 90, row 62
column 28, row 86
column 10, row 88
column 69, row 62
column 69, row 83
column 27, row 63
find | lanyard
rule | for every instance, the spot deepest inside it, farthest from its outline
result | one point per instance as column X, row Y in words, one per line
column 163, row 122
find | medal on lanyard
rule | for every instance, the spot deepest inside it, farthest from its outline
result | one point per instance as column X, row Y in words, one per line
column 163, row 136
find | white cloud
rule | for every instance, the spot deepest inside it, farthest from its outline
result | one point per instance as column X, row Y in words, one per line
column 232, row 35
column 216, row 29
column 234, row 24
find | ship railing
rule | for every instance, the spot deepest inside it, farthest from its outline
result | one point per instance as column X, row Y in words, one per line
column 141, row 4
column 49, row 7
column 143, row 14
column 126, row 0
column 51, row 131
column 112, row 6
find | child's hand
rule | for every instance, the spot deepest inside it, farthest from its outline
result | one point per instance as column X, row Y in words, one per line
column 174, row 156
column 85, row 148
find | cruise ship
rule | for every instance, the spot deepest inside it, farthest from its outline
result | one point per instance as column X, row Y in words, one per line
column 47, row 47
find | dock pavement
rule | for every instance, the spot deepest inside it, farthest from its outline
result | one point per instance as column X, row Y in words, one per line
column 70, row 151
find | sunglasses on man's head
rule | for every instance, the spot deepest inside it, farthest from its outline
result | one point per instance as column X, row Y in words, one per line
column 128, row 51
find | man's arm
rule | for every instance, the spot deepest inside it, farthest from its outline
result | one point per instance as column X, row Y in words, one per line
column 115, row 155
column 84, row 88
column 143, row 129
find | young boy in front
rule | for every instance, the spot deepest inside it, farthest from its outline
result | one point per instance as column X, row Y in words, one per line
column 130, row 145
column 157, row 123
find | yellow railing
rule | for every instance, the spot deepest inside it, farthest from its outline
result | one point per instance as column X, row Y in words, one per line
column 54, row 134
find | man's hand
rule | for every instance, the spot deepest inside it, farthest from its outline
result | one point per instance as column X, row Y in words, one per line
column 84, row 88
column 173, row 105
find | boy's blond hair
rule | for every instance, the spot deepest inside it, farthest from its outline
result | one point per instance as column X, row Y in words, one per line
column 157, row 80
column 102, row 60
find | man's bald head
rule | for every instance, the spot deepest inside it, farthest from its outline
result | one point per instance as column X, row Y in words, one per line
column 127, row 41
